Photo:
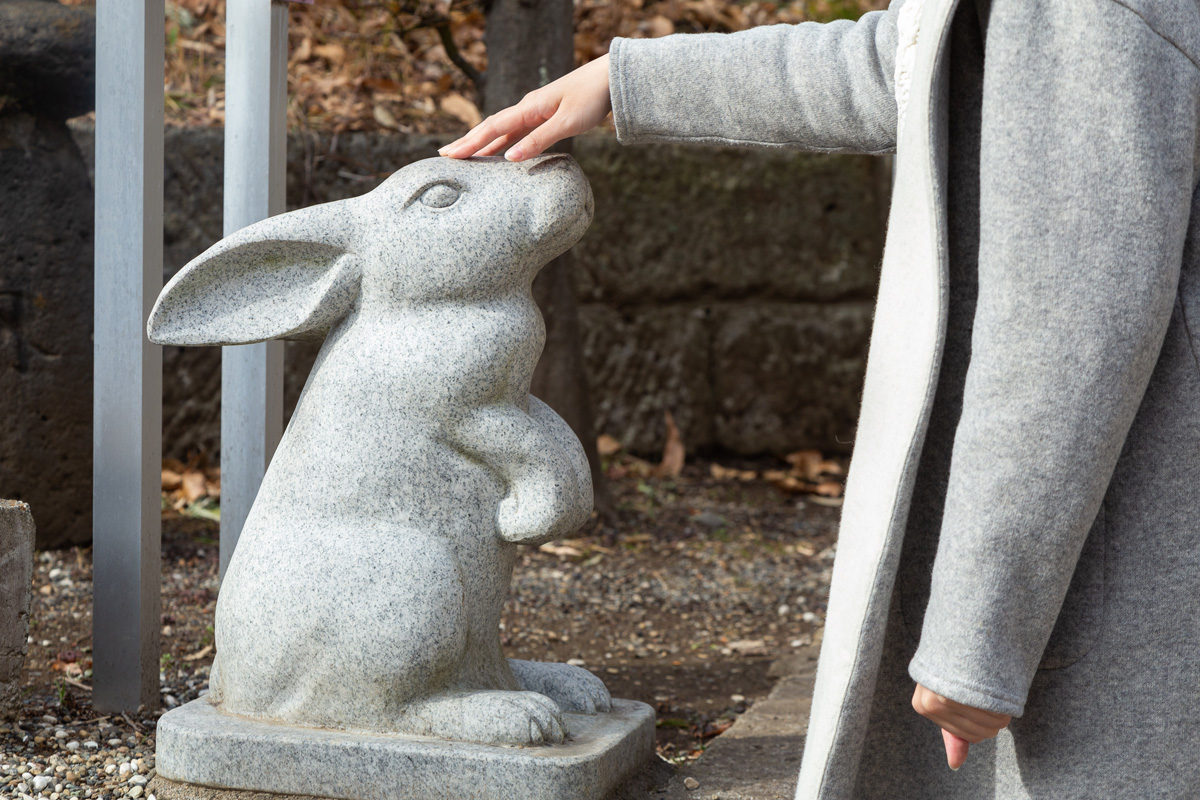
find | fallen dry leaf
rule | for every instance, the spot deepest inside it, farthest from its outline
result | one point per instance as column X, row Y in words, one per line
column 335, row 54
column 303, row 51
column 384, row 117
column 728, row 474
column 709, row 730
column 199, row 654
column 461, row 109
column 674, row 453
column 811, row 465
column 561, row 550
column 792, row 484
column 193, row 485
column 171, row 480
column 828, row 489
column 832, row 502
column 607, row 445
column 749, row 647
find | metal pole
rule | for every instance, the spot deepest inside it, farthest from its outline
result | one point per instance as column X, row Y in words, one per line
column 255, row 182
column 126, row 501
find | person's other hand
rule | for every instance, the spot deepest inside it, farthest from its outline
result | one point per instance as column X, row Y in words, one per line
column 962, row 726
column 576, row 102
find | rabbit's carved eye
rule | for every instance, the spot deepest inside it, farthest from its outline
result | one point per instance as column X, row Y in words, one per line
column 440, row 195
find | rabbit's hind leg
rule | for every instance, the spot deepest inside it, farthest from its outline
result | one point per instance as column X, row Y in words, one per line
column 573, row 688
column 495, row 717
column 361, row 622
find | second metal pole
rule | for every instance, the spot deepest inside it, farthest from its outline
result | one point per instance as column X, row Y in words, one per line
column 255, row 184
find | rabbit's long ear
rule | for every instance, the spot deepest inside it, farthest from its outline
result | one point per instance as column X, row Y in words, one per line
column 291, row 276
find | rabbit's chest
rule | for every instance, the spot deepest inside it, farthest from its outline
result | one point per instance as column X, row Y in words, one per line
column 433, row 363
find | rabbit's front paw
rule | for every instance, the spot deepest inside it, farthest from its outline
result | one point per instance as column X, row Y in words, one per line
column 535, row 512
column 573, row 688
column 520, row 719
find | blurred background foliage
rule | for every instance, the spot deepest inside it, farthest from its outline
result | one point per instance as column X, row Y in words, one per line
column 416, row 66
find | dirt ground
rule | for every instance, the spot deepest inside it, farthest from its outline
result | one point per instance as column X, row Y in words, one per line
column 682, row 603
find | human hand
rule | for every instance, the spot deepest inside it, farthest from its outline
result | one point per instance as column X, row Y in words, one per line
column 576, row 102
column 962, row 726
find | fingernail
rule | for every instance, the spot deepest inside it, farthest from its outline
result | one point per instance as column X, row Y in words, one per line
column 954, row 769
column 514, row 154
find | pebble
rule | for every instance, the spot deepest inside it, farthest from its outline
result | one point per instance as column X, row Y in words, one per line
column 41, row 782
column 72, row 745
column 710, row 519
column 136, row 791
column 691, row 783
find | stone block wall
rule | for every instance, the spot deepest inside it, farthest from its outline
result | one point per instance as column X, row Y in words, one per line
column 733, row 288
column 46, row 292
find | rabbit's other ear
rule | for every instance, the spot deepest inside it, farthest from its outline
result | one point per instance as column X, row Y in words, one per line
column 290, row 276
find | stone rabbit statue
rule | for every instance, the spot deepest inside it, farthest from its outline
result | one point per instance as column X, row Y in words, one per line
column 367, row 586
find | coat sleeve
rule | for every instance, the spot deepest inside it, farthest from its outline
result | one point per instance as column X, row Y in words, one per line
column 1088, row 166
column 823, row 87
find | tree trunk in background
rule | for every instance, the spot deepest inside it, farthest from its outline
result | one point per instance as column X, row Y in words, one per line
column 529, row 44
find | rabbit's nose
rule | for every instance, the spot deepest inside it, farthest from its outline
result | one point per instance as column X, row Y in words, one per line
column 546, row 162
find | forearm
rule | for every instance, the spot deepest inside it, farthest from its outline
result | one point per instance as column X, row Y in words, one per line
column 825, row 87
column 1085, row 192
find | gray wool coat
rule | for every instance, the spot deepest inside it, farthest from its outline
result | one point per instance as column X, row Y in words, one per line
column 1021, row 530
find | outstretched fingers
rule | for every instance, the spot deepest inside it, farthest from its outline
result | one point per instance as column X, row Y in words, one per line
column 499, row 144
column 576, row 102
column 501, row 128
column 537, row 141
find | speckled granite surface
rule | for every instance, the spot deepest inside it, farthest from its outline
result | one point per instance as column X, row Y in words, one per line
column 199, row 745
column 367, row 586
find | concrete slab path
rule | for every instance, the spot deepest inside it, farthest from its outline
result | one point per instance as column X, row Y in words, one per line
column 756, row 759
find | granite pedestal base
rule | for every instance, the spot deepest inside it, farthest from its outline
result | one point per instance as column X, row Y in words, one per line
column 197, row 744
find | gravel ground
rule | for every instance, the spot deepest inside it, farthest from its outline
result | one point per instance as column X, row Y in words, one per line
column 683, row 604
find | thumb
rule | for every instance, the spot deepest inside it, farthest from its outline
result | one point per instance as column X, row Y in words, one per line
column 956, row 749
